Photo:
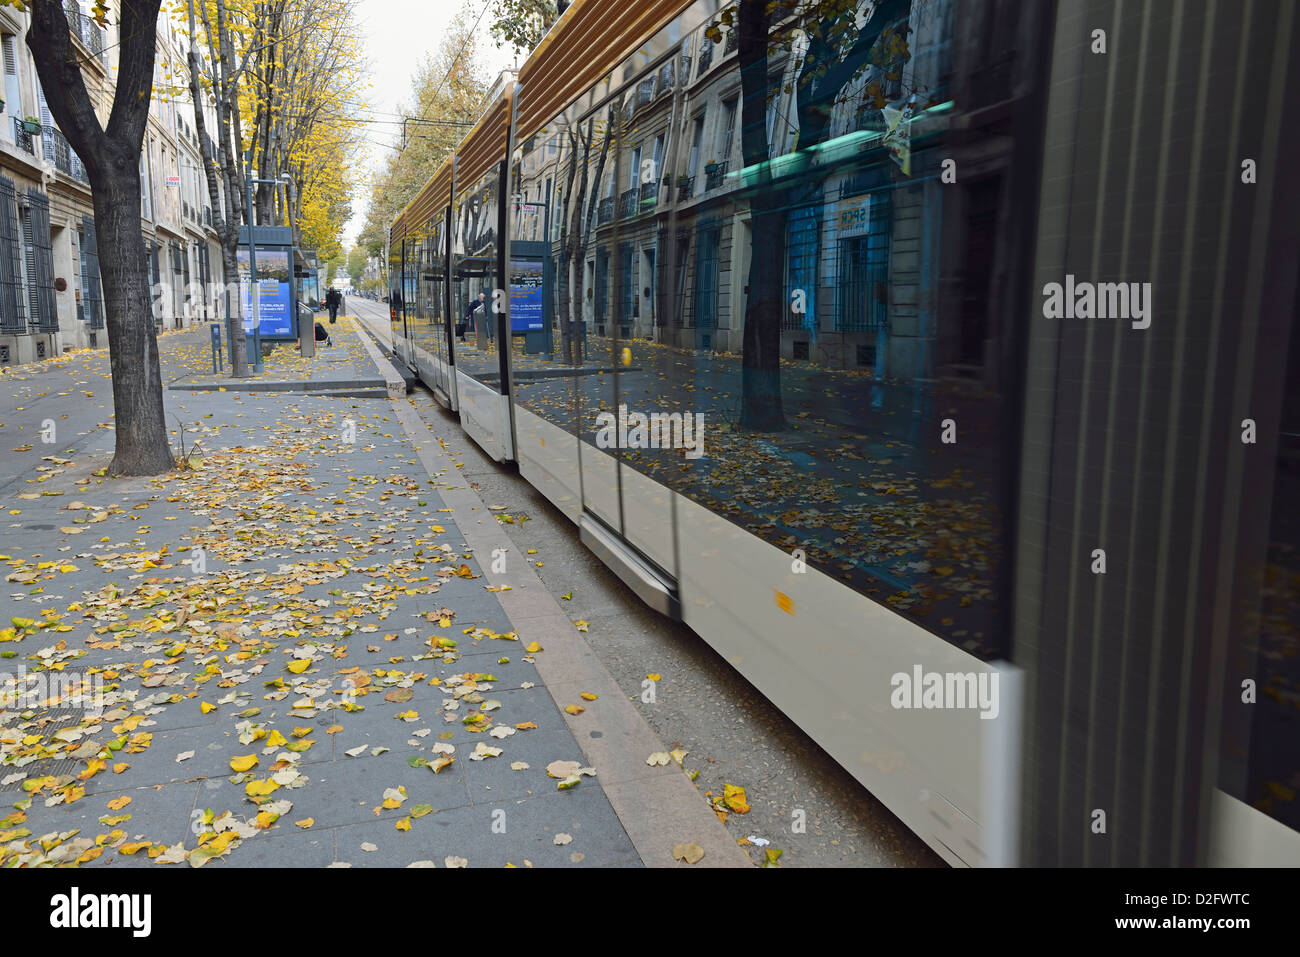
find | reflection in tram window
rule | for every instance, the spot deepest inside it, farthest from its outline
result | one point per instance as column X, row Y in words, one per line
column 787, row 263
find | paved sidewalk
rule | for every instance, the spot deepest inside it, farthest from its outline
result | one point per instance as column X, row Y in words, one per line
column 305, row 661
column 341, row 368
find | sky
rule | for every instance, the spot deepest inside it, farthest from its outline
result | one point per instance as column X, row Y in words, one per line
column 397, row 35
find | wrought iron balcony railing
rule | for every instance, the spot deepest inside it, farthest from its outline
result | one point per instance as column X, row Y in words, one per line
column 59, row 152
column 23, row 139
column 706, row 55
column 714, row 175
column 605, row 211
column 627, row 203
column 85, row 29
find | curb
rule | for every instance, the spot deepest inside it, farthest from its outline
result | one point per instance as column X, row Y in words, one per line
column 344, row 386
column 658, row 807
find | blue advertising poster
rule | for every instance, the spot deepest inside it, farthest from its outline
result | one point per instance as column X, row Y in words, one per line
column 526, row 296
column 275, row 295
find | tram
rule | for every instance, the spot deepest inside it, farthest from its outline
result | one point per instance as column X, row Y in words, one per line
column 1026, row 572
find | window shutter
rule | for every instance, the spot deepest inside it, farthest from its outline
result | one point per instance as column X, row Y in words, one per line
column 92, row 298
column 47, row 125
column 12, row 310
column 40, row 265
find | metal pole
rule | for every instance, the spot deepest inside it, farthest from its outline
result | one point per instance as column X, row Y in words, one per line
column 252, row 268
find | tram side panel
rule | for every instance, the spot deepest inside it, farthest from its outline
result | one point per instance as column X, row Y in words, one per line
column 843, row 552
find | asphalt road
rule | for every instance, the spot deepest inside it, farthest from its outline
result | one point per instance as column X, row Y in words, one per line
column 733, row 733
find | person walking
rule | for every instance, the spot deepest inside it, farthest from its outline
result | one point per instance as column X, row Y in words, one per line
column 471, row 320
column 333, row 299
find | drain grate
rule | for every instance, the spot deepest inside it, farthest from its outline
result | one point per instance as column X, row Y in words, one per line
column 48, row 766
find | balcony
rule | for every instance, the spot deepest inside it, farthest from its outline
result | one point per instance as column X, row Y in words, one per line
column 59, row 152
column 23, row 139
column 666, row 78
column 649, row 196
column 645, row 93
column 85, row 29
column 685, row 189
column 605, row 211
column 714, row 174
column 627, row 203
column 706, row 55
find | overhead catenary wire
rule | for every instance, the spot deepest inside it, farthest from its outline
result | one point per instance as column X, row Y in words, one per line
column 455, row 60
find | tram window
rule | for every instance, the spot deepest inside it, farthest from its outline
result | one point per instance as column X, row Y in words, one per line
column 815, row 305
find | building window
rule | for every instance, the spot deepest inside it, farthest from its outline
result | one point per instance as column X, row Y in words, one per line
column 864, row 272
column 38, row 260
column 706, row 279
column 802, row 234
column 728, row 130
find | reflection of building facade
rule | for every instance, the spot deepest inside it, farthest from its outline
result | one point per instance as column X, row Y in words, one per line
column 874, row 256
column 51, row 297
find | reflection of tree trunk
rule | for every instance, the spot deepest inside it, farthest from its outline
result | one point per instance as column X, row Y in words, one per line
column 588, row 231
column 760, row 407
column 562, row 278
column 573, row 239
column 826, row 71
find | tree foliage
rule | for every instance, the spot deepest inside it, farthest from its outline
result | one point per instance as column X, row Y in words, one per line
column 521, row 24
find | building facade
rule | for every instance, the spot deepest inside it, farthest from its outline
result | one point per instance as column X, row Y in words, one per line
column 51, row 296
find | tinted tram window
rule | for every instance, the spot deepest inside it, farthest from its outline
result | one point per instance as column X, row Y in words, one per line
column 796, row 271
column 473, row 278
column 395, row 267
column 575, row 188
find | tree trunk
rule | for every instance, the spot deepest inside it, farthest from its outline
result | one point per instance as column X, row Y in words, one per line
column 761, row 408
column 141, row 425
column 112, row 159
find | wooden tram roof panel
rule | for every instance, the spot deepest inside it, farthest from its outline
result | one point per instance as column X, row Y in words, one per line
column 596, row 36
column 486, row 143
column 593, row 38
